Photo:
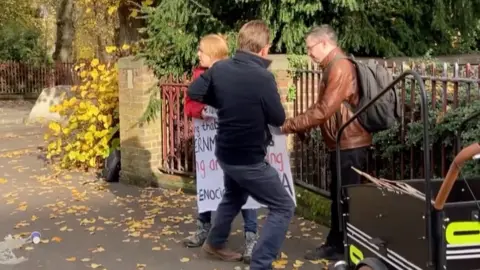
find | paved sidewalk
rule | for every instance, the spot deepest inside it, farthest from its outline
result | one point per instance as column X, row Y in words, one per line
column 14, row 111
column 89, row 224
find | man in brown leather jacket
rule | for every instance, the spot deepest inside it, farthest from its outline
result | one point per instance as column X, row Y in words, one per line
column 337, row 89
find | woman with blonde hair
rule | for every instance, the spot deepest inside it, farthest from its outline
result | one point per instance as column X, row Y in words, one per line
column 211, row 49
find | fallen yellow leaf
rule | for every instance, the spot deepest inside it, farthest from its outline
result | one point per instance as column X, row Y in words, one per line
column 279, row 264
column 3, row 181
column 156, row 248
column 56, row 239
column 298, row 263
column 321, row 261
column 99, row 249
column 85, row 260
column 184, row 259
column 22, row 207
column 95, row 265
column 71, row 259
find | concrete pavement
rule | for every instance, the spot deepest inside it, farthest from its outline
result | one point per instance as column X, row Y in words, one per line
column 89, row 224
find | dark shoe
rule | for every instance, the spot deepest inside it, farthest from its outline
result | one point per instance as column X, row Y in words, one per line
column 250, row 242
column 325, row 252
column 198, row 238
column 222, row 253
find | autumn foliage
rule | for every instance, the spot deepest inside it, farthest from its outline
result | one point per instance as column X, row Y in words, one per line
column 84, row 138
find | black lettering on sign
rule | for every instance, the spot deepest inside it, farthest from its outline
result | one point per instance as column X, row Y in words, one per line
column 286, row 184
column 210, row 125
column 197, row 131
column 204, row 144
column 210, row 194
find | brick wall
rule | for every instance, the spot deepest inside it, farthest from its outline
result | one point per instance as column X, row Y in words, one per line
column 141, row 145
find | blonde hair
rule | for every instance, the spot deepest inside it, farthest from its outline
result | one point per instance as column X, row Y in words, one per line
column 254, row 36
column 215, row 46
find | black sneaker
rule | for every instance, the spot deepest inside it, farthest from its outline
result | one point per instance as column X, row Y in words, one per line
column 324, row 252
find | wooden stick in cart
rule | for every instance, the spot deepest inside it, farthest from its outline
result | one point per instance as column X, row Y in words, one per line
column 394, row 186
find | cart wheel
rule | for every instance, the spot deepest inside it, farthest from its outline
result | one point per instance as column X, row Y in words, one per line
column 371, row 264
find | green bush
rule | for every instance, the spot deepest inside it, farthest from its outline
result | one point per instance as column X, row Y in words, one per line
column 443, row 127
column 21, row 43
column 173, row 31
column 389, row 146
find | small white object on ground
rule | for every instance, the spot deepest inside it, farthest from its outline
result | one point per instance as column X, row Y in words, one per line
column 36, row 237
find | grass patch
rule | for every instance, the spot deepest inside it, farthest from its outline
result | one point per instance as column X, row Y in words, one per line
column 313, row 206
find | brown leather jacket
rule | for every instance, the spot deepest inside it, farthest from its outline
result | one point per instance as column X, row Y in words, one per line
column 340, row 87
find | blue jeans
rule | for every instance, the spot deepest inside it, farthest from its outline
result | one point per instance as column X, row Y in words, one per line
column 249, row 219
column 261, row 181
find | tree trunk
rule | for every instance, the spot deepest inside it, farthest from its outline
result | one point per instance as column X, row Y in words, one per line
column 65, row 32
column 101, row 42
column 127, row 32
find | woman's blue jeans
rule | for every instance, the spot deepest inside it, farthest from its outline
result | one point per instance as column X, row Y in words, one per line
column 249, row 219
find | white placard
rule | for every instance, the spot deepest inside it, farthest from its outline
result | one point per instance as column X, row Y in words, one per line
column 209, row 174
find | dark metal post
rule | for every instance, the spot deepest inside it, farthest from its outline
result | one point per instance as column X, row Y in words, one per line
column 426, row 146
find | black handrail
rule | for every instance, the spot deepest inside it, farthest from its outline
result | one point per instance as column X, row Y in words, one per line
column 461, row 128
column 426, row 154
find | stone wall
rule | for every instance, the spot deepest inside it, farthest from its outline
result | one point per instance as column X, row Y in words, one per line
column 141, row 145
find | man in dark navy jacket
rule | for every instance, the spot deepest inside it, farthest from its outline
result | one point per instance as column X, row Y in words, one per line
column 246, row 96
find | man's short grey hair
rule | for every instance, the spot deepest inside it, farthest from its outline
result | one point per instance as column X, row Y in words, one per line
column 323, row 30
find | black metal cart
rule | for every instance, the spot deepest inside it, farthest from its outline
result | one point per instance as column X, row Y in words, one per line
column 387, row 227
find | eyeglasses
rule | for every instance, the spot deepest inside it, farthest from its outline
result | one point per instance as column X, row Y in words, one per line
column 309, row 48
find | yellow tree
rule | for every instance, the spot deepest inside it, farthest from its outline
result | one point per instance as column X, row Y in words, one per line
column 101, row 23
column 19, row 11
column 95, row 24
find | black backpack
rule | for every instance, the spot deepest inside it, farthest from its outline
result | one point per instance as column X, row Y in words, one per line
column 373, row 78
column 111, row 171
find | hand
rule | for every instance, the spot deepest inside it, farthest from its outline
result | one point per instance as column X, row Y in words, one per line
column 283, row 130
column 304, row 137
column 205, row 116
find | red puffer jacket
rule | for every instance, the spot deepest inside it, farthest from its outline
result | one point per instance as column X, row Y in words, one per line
column 194, row 108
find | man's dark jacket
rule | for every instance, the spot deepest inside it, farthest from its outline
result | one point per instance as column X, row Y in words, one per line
column 245, row 94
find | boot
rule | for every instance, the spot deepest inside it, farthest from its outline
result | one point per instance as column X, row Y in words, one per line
column 250, row 242
column 198, row 238
column 223, row 254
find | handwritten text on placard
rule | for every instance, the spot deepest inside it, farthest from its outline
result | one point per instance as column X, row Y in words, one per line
column 210, row 187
